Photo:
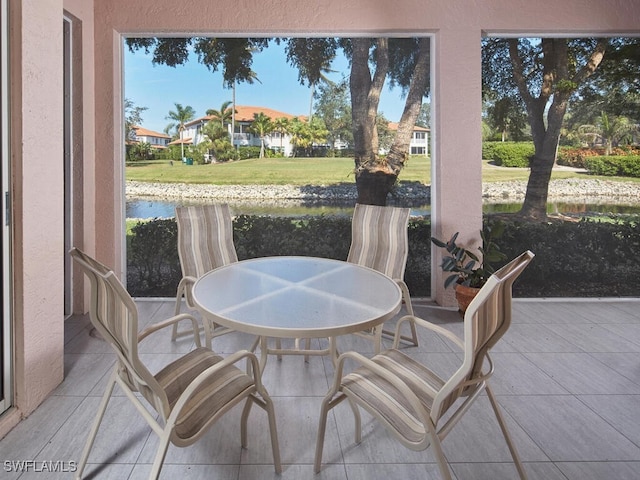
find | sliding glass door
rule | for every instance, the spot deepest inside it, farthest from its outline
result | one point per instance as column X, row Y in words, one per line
column 5, row 266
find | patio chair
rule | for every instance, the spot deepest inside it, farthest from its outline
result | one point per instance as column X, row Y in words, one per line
column 205, row 242
column 379, row 240
column 189, row 394
column 408, row 398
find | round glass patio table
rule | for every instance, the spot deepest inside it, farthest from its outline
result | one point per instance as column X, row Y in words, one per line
column 297, row 297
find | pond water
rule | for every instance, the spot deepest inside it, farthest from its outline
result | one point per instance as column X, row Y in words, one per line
column 157, row 208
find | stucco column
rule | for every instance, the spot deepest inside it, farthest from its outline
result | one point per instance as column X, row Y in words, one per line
column 38, row 195
column 456, row 172
column 109, row 164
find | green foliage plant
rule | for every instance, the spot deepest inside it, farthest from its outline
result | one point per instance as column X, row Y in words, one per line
column 622, row 166
column 466, row 267
column 508, row 154
column 587, row 258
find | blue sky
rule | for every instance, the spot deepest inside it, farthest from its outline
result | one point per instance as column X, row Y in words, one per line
column 160, row 87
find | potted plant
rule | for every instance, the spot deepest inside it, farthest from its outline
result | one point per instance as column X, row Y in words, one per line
column 469, row 272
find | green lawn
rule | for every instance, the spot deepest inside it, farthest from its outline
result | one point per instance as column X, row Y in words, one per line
column 266, row 171
column 305, row 171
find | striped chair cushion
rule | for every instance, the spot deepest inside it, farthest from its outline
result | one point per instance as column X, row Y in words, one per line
column 378, row 396
column 211, row 397
column 205, row 238
column 379, row 239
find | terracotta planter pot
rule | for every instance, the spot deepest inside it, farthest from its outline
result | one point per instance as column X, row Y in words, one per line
column 464, row 295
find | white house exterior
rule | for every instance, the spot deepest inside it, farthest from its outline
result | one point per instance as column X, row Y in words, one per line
column 281, row 142
column 242, row 137
column 155, row 139
column 419, row 144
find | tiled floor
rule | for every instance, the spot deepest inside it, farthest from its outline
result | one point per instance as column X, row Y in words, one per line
column 567, row 377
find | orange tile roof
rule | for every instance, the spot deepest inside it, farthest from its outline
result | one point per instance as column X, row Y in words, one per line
column 245, row 114
column 143, row 132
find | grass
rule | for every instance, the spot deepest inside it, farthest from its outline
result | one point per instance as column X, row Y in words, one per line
column 309, row 171
column 266, row 171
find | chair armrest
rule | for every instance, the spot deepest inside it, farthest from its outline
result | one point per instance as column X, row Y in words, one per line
column 185, row 282
column 171, row 321
column 428, row 325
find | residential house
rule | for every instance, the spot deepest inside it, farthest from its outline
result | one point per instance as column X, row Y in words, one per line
column 156, row 140
column 62, row 116
column 419, row 144
column 279, row 141
column 242, row 135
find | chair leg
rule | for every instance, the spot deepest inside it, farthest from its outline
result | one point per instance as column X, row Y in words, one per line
column 267, row 405
column 174, row 330
column 275, row 444
column 357, row 419
column 505, row 433
column 243, row 420
column 161, row 453
column 96, row 424
column 322, row 427
column 409, row 339
column 443, row 465
column 328, row 403
column 407, row 302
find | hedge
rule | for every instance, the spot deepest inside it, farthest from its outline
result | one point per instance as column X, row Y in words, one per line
column 614, row 166
column 508, row 154
column 573, row 259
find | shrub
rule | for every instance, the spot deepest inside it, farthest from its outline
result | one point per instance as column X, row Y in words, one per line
column 575, row 157
column 244, row 153
column 573, row 259
column 577, row 259
column 621, row 166
column 508, row 154
column 153, row 267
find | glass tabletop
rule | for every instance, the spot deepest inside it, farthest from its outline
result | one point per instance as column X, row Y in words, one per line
column 297, row 297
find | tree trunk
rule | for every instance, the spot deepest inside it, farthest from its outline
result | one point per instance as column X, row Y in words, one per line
column 557, row 84
column 399, row 152
column 545, row 141
column 535, row 201
column 365, row 97
column 374, row 187
column 375, row 177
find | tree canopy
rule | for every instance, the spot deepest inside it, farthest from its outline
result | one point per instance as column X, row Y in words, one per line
column 546, row 74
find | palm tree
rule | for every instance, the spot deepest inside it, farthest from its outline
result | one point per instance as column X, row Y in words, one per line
column 281, row 125
column 261, row 126
column 224, row 115
column 610, row 130
column 180, row 117
column 305, row 134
